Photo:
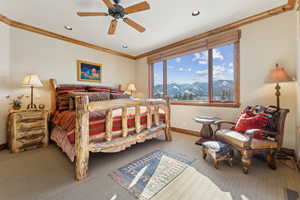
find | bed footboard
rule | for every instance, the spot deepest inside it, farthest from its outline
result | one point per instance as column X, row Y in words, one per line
column 83, row 107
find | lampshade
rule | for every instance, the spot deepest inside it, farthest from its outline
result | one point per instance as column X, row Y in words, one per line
column 131, row 87
column 32, row 80
column 278, row 75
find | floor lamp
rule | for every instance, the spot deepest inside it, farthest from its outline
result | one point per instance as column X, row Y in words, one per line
column 278, row 75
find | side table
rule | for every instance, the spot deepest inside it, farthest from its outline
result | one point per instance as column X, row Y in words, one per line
column 206, row 131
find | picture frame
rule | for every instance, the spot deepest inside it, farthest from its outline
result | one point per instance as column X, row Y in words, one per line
column 89, row 71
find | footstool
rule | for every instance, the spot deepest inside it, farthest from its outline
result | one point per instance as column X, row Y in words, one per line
column 218, row 151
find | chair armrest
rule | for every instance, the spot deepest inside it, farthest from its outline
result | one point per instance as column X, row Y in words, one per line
column 219, row 123
column 251, row 132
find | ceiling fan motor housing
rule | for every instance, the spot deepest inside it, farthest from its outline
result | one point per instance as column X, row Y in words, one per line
column 117, row 11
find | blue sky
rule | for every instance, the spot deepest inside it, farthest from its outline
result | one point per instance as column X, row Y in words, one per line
column 194, row 67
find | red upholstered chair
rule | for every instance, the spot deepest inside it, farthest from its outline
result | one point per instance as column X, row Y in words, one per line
column 247, row 145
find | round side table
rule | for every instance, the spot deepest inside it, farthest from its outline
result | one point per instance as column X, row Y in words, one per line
column 206, row 131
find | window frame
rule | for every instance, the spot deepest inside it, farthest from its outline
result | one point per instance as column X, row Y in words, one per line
column 211, row 102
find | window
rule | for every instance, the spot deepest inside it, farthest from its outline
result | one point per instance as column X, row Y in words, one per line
column 206, row 77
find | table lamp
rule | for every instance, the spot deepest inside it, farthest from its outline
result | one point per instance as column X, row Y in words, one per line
column 32, row 80
column 131, row 88
column 278, row 75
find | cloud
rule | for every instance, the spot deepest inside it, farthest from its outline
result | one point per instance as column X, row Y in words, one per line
column 171, row 67
column 230, row 64
column 202, row 72
column 181, row 69
column 217, row 54
column 189, row 69
column 201, row 58
column 178, row 59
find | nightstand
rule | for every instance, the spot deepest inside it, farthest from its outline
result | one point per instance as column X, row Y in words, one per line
column 27, row 129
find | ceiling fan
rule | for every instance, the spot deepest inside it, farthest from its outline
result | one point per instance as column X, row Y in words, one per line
column 119, row 12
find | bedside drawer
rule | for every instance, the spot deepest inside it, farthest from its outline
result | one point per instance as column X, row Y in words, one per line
column 24, row 126
column 28, row 141
column 29, row 116
column 32, row 132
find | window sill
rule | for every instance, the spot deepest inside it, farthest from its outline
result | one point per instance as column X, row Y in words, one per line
column 215, row 104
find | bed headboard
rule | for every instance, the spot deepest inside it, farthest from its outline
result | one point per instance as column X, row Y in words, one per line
column 54, row 85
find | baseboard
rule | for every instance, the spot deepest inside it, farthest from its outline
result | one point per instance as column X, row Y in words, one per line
column 185, row 131
column 3, row 146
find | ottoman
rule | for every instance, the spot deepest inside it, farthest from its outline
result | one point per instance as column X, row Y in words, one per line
column 218, row 151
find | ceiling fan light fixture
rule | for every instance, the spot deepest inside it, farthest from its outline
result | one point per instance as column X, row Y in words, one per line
column 196, row 13
column 69, row 28
column 124, row 46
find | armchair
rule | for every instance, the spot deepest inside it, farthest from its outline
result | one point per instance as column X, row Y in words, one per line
column 248, row 146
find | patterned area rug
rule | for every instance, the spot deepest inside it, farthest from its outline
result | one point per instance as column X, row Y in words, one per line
column 148, row 175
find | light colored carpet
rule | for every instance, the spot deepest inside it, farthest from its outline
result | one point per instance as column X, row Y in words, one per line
column 47, row 174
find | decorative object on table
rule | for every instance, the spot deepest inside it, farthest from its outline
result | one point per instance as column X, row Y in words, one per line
column 278, row 75
column 131, row 89
column 149, row 174
column 218, row 151
column 27, row 129
column 32, row 80
column 250, row 142
column 41, row 106
column 16, row 103
column 88, row 71
column 206, row 132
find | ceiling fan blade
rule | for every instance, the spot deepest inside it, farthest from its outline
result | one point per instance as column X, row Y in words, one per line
column 112, row 27
column 134, row 25
column 108, row 3
column 86, row 14
column 137, row 7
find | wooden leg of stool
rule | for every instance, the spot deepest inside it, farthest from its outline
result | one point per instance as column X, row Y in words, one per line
column 204, row 154
column 216, row 164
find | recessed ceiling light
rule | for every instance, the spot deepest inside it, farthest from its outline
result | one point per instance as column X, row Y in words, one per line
column 124, row 46
column 69, row 28
column 196, row 13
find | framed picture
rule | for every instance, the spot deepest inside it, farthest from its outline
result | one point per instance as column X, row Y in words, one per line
column 87, row 71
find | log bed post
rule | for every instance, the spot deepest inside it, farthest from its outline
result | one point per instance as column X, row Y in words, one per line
column 156, row 115
column 109, row 124
column 149, row 117
column 124, row 121
column 82, row 137
column 137, row 117
column 168, row 120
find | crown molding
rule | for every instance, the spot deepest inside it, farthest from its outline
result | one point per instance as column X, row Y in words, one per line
column 275, row 11
column 44, row 32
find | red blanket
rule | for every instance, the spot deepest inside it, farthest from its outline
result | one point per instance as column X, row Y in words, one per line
column 66, row 120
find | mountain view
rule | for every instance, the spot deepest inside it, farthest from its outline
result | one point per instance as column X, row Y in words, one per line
column 223, row 90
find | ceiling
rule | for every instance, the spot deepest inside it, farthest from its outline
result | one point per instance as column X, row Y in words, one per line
column 166, row 22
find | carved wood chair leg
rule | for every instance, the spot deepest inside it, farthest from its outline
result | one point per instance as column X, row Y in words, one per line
column 246, row 161
column 271, row 160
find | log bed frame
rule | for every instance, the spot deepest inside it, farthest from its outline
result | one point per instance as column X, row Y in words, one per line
column 84, row 107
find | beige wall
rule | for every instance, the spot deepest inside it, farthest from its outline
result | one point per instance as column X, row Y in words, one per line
column 298, row 85
column 263, row 44
column 52, row 58
column 4, row 76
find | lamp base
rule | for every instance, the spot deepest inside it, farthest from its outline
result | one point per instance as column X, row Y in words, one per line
column 31, row 106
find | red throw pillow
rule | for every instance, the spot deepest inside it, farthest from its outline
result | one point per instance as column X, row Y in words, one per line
column 249, row 120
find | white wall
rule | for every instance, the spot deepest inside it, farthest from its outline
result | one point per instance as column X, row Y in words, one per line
column 52, row 58
column 263, row 44
column 4, row 76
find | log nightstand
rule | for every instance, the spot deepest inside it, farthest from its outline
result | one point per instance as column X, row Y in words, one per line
column 27, row 129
